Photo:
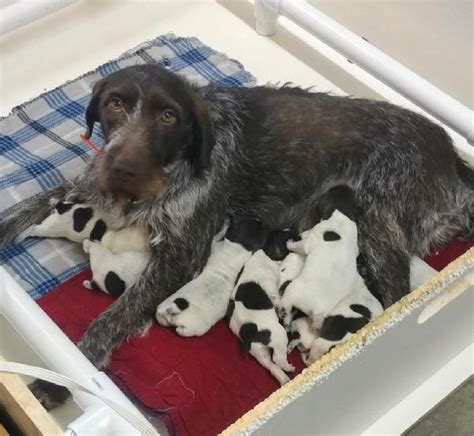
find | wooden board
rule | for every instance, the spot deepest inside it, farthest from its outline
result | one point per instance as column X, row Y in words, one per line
column 24, row 409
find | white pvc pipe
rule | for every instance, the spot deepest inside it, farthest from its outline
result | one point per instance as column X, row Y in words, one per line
column 22, row 12
column 62, row 356
column 447, row 109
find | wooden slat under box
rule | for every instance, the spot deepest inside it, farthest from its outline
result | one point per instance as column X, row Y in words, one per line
column 24, row 409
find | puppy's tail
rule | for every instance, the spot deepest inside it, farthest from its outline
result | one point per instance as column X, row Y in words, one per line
column 30, row 212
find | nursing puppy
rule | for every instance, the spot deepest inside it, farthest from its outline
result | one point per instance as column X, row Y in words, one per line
column 253, row 318
column 351, row 314
column 329, row 272
column 73, row 221
column 202, row 302
column 118, row 260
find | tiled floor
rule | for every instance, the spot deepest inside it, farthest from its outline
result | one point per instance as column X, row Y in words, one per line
column 454, row 416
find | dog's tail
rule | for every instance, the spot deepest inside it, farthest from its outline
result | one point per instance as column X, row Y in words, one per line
column 28, row 213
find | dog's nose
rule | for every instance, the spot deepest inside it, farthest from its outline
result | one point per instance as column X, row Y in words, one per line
column 124, row 168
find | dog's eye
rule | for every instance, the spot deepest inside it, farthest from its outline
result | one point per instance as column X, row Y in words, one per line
column 168, row 117
column 116, row 104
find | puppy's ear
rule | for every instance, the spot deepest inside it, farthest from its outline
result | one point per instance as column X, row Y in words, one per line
column 249, row 233
column 203, row 139
column 92, row 111
column 340, row 197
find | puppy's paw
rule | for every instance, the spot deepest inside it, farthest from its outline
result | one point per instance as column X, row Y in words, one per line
column 87, row 245
column 292, row 345
column 187, row 332
column 87, row 284
column 283, row 378
column 284, row 314
column 162, row 318
column 288, row 367
column 29, row 232
column 172, row 309
column 305, row 358
column 317, row 351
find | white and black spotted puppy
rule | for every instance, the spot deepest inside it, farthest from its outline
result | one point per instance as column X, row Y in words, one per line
column 202, row 302
column 253, row 319
column 350, row 315
column 73, row 221
column 329, row 272
column 117, row 261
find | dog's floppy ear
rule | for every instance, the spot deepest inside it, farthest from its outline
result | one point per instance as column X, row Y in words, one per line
column 203, row 139
column 92, row 111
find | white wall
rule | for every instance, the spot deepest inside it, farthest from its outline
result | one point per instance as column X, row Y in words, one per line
column 433, row 38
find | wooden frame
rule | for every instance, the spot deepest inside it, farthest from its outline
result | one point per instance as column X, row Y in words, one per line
column 24, row 409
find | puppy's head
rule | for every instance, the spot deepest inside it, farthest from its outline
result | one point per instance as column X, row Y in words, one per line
column 150, row 118
column 275, row 245
column 249, row 233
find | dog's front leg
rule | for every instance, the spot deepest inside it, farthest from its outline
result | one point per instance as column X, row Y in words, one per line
column 172, row 264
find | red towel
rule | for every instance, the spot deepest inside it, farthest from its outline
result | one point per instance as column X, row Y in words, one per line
column 200, row 385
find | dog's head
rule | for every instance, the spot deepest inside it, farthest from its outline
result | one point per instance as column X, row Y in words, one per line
column 151, row 118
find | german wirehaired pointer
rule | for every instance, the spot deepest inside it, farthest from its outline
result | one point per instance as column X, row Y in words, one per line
column 179, row 157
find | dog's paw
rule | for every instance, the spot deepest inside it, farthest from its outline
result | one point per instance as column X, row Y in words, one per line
column 87, row 284
column 49, row 394
column 289, row 367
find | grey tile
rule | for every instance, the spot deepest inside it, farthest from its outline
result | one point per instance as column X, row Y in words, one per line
column 453, row 416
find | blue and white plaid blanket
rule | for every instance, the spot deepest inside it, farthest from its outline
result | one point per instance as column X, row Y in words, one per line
column 40, row 147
